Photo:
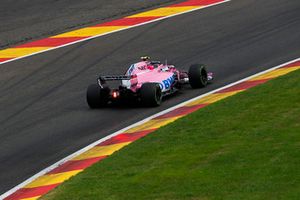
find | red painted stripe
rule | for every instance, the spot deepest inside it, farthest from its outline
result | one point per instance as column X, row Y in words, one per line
column 50, row 42
column 294, row 64
column 243, row 86
column 127, row 21
column 196, row 3
column 181, row 111
column 76, row 165
column 30, row 192
column 126, row 137
column 5, row 59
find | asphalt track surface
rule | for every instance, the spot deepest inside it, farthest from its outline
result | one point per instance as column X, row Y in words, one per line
column 25, row 20
column 44, row 116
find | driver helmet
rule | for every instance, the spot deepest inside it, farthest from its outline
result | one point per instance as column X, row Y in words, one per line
column 145, row 58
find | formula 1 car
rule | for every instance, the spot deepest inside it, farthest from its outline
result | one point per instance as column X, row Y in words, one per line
column 147, row 82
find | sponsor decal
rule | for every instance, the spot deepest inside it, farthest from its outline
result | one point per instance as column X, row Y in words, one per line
column 166, row 84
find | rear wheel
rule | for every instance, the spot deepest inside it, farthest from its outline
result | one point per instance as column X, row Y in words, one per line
column 197, row 76
column 96, row 96
column 151, row 94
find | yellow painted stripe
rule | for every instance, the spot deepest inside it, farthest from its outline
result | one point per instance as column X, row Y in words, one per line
column 275, row 73
column 164, row 11
column 152, row 124
column 98, row 151
column 212, row 98
column 18, row 52
column 89, row 31
column 50, row 179
column 32, row 198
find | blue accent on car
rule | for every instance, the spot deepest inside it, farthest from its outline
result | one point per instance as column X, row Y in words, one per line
column 130, row 70
column 166, row 84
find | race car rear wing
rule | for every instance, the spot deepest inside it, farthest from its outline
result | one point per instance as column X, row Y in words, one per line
column 114, row 78
column 103, row 79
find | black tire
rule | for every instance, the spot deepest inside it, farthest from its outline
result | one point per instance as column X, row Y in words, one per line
column 151, row 94
column 96, row 97
column 197, row 76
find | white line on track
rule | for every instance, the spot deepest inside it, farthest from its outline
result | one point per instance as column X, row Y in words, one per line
column 133, row 125
column 96, row 36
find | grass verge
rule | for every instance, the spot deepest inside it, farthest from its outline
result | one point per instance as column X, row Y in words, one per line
column 244, row 147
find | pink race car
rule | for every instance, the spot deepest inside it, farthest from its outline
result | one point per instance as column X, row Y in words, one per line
column 147, row 82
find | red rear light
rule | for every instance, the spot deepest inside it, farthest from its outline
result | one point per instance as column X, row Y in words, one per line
column 115, row 94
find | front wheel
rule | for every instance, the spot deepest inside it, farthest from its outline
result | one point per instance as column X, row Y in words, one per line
column 96, row 97
column 197, row 76
column 151, row 94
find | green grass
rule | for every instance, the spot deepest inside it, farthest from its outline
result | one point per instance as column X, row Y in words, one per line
column 244, row 147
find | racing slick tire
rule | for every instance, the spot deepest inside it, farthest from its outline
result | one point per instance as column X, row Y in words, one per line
column 151, row 94
column 96, row 97
column 197, row 76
